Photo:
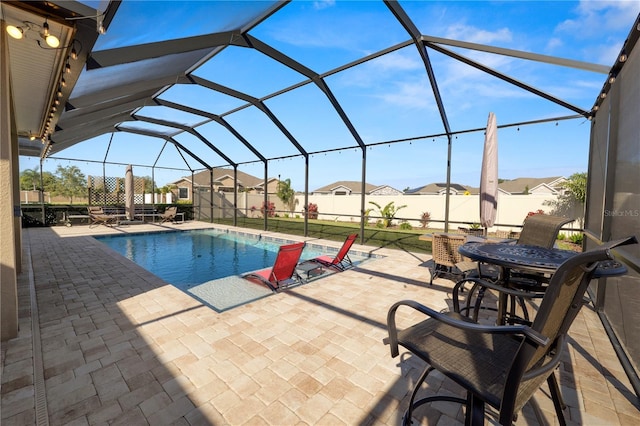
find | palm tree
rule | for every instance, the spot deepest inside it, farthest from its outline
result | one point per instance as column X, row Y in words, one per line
column 287, row 194
column 388, row 212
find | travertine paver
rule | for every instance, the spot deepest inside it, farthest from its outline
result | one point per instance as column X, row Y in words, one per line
column 120, row 346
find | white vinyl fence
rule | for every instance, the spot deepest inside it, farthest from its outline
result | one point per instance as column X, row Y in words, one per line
column 512, row 209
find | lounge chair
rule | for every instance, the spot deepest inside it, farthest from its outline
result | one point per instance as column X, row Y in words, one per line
column 283, row 273
column 97, row 216
column 169, row 214
column 341, row 260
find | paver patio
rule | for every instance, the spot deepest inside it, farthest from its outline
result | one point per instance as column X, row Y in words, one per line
column 120, row 346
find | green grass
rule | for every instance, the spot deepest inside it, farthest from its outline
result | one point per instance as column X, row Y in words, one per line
column 406, row 240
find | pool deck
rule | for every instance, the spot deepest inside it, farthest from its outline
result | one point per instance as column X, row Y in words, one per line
column 113, row 344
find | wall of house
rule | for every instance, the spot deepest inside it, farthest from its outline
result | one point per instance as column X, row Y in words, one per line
column 10, row 233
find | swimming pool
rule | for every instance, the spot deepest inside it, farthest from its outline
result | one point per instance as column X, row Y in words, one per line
column 207, row 264
column 188, row 258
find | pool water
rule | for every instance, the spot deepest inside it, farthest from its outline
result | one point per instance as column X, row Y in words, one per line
column 208, row 264
column 189, row 258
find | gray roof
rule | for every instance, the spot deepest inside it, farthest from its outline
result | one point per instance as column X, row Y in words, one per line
column 353, row 185
column 520, row 185
column 434, row 188
column 244, row 179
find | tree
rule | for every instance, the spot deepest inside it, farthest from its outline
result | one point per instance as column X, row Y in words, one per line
column 70, row 182
column 287, row 194
column 30, row 180
column 147, row 185
column 576, row 186
column 388, row 212
column 571, row 202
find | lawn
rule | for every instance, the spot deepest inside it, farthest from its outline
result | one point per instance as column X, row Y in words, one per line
column 406, row 240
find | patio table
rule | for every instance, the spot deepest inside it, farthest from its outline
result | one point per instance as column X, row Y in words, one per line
column 527, row 258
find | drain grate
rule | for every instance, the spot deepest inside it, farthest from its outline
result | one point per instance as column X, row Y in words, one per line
column 42, row 415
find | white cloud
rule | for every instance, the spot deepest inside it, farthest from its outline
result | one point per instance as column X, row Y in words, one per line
column 595, row 17
column 476, row 35
column 323, row 4
column 554, row 43
column 409, row 95
column 397, row 61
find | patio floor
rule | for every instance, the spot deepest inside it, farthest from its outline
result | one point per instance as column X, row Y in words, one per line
column 113, row 344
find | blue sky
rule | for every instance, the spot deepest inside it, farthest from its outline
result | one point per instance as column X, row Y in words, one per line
column 387, row 99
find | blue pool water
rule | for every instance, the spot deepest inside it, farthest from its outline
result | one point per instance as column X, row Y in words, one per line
column 189, row 258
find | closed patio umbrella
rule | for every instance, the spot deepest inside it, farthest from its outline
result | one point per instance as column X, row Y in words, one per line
column 128, row 192
column 489, row 175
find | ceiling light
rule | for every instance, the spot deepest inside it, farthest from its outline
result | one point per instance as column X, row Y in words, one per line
column 15, row 32
column 612, row 78
column 99, row 24
column 67, row 68
column 32, row 137
column 52, row 41
column 63, row 82
column 74, row 54
column 603, row 95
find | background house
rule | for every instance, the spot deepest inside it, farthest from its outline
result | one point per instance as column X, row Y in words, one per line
column 223, row 181
column 441, row 189
column 345, row 187
column 549, row 185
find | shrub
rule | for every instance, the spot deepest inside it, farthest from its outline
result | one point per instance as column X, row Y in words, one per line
column 268, row 208
column 388, row 212
column 576, row 239
column 406, row 226
column 539, row 211
column 312, row 211
column 425, row 219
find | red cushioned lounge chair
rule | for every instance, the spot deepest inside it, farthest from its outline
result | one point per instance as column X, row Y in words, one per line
column 283, row 273
column 341, row 261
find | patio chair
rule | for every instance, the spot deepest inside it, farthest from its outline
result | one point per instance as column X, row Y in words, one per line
column 97, row 216
column 541, row 230
column 283, row 273
column 537, row 230
column 341, row 260
column 446, row 259
column 501, row 366
column 169, row 214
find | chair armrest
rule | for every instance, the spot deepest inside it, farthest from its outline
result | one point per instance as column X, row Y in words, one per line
column 550, row 364
column 535, row 337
